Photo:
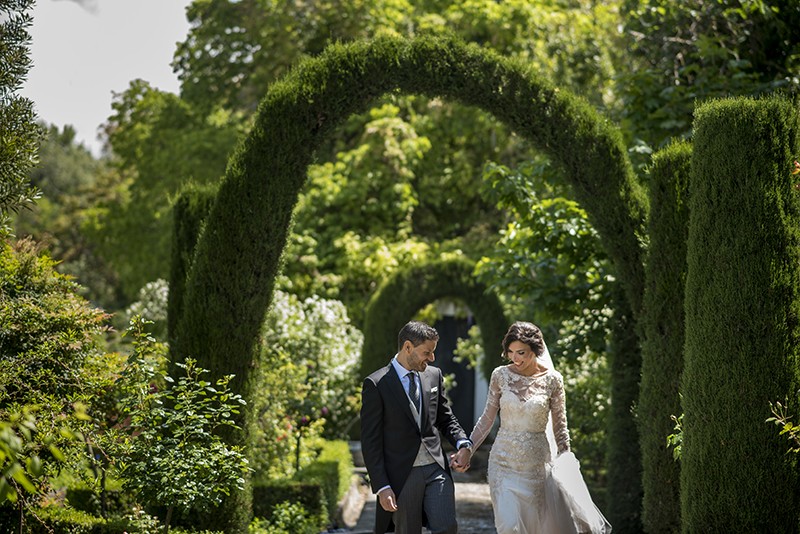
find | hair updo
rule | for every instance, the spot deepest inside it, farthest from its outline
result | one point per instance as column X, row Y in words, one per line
column 527, row 333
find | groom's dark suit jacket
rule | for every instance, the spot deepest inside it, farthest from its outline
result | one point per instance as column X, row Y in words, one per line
column 390, row 437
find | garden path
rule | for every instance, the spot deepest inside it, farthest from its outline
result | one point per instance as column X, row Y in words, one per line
column 473, row 506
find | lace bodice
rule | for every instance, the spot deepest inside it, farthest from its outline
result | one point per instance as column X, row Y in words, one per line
column 524, row 403
column 521, row 453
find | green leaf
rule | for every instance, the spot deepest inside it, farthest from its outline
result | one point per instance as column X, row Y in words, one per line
column 7, row 491
column 18, row 474
column 34, row 466
column 56, row 452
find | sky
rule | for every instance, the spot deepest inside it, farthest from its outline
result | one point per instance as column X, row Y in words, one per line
column 83, row 51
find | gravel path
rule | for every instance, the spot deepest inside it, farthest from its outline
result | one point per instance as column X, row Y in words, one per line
column 473, row 505
column 473, row 510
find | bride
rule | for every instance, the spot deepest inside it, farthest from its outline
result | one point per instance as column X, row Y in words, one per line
column 534, row 479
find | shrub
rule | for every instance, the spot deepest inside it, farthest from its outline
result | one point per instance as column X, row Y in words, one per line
column 172, row 453
column 87, row 500
column 64, row 520
column 286, row 518
column 269, row 496
column 49, row 339
column 47, row 331
column 312, row 345
column 152, row 305
column 333, row 470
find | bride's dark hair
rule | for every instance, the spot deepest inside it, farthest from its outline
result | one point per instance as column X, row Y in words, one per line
column 527, row 333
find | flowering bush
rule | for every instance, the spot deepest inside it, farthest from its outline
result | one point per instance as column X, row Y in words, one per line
column 152, row 305
column 308, row 384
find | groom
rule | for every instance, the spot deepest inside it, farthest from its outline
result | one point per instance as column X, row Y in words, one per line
column 403, row 414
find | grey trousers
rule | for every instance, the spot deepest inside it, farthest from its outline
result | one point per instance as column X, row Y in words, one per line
column 429, row 488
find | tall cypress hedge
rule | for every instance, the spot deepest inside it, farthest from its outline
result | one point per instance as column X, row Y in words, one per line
column 742, row 344
column 189, row 213
column 663, row 336
column 411, row 289
column 624, row 506
column 237, row 258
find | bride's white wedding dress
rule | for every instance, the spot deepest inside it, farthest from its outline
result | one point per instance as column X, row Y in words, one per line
column 520, row 457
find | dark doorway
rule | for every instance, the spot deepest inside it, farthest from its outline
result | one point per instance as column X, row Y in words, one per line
column 462, row 396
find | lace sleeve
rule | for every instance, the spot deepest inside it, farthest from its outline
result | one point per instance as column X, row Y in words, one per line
column 486, row 420
column 558, row 411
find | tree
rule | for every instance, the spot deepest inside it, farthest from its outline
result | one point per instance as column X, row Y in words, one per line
column 234, row 50
column 19, row 134
column 695, row 50
column 159, row 143
column 72, row 181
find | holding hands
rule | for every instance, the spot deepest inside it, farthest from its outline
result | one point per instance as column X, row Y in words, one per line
column 459, row 461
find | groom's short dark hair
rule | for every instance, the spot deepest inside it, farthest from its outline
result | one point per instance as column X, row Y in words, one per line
column 417, row 333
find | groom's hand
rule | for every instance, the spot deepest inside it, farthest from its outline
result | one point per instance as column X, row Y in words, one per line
column 388, row 500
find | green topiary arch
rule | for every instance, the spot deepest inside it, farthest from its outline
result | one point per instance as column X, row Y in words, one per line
column 229, row 286
column 411, row 289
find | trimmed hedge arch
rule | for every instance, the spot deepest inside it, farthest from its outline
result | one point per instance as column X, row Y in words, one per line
column 230, row 283
column 189, row 213
column 413, row 288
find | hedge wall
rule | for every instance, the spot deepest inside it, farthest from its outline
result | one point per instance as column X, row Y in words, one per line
column 662, row 326
column 624, row 492
column 319, row 487
column 742, row 332
column 333, row 470
column 189, row 213
column 231, row 280
column 311, row 495
column 411, row 289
